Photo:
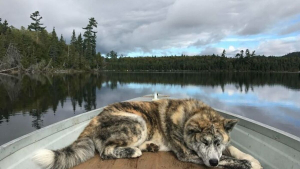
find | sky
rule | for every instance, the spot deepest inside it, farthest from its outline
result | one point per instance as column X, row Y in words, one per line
column 170, row 27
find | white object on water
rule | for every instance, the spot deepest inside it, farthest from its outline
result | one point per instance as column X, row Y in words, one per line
column 155, row 96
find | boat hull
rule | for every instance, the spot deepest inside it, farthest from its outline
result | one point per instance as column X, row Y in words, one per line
column 273, row 148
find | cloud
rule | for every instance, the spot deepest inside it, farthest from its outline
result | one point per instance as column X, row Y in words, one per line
column 268, row 47
column 139, row 25
column 291, row 29
column 279, row 47
column 211, row 50
column 241, row 39
column 231, row 51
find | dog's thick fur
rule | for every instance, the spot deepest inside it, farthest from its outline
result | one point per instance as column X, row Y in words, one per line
column 193, row 131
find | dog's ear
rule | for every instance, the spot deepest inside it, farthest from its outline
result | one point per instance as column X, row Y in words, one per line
column 229, row 124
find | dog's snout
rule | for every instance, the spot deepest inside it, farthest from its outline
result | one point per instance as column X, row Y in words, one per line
column 213, row 162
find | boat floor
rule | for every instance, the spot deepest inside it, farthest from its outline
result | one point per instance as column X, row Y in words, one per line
column 148, row 160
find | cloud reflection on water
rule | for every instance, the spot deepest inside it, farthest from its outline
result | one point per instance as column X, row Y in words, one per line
column 276, row 106
column 39, row 101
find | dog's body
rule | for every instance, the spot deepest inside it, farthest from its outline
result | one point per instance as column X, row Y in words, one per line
column 189, row 128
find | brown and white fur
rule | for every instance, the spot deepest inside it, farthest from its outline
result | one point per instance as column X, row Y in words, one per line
column 193, row 131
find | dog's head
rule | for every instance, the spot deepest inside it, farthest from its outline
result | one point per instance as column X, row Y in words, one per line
column 208, row 135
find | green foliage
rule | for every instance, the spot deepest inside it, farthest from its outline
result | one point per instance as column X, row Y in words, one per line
column 40, row 48
column 112, row 56
column 253, row 53
column 247, row 53
column 36, row 25
column 242, row 54
column 73, row 38
column 79, row 49
column 204, row 63
column 89, row 45
column 53, row 49
column 99, row 61
column 224, row 53
column 2, row 49
column 3, row 27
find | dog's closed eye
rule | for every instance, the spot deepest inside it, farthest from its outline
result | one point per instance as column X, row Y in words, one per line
column 205, row 142
column 193, row 131
column 217, row 142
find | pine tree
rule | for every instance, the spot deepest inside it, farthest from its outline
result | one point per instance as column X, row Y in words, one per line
column 253, row 53
column 54, row 35
column 62, row 40
column 2, row 48
column 90, row 40
column 242, row 54
column 53, row 51
column 79, row 44
column 223, row 53
column 73, row 54
column 4, row 27
column 247, row 53
column 36, row 25
column 63, row 52
column 99, row 60
column 113, row 56
column 73, row 38
column 79, row 48
column 93, row 43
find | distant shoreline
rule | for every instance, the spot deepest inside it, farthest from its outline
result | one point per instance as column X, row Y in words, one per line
column 204, row 71
column 71, row 71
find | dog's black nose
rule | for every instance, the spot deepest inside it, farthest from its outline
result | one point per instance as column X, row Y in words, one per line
column 213, row 162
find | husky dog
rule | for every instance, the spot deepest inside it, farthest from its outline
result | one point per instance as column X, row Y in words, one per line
column 193, row 131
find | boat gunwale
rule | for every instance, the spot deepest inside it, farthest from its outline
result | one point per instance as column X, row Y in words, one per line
column 266, row 130
column 15, row 145
column 9, row 148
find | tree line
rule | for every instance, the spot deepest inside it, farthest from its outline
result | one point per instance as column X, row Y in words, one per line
column 40, row 49
column 241, row 62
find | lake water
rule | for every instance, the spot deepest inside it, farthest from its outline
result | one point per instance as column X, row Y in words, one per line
column 30, row 102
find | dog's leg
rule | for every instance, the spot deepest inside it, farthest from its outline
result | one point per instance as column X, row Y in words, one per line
column 186, row 155
column 151, row 147
column 119, row 134
column 192, row 158
column 232, row 163
column 182, row 152
column 236, row 153
column 112, row 152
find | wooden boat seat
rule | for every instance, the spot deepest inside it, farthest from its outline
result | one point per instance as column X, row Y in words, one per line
column 159, row 160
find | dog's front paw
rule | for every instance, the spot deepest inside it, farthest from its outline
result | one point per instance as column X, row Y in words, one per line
column 255, row 164
column 244, row 164
column 235, row 164
column 247, row 164
column 137, row 153
column 152, row 147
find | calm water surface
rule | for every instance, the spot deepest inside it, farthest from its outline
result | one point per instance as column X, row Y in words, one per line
column 30, row 102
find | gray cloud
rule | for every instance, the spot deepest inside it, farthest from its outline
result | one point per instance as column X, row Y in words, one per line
column 230, row 52
column 275, row 47
column 211, row 50
column 130, row 25
column 291, row 29
column 279, row 47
